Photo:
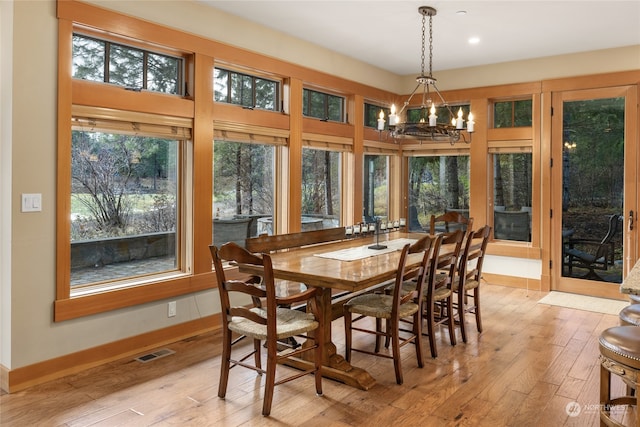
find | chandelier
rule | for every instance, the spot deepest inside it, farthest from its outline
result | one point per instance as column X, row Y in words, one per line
column 427, row 126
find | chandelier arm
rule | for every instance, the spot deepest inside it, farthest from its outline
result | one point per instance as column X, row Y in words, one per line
column 444, row 103
column 409, row 99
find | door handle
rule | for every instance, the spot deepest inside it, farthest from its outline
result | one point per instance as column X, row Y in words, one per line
column 630, row 220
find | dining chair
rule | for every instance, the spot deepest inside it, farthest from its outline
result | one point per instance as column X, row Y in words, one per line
column 451, row 220
column 467, row 282
column 392, row 308
column 264, row 320
column 438, row 304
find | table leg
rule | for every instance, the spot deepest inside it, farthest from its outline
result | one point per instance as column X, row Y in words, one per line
column 334, row 365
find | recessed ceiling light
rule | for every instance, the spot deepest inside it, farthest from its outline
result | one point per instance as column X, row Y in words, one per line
column 474, row 40
column 461, row 12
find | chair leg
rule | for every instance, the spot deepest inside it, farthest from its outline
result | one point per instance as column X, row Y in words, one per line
column 269, row 385
column 379, row 337
column 347, row 336
column 319, row 335
column 395, row 346
column 462, row 296
column 257, row 355
column 605, row 394
column 225, row 364
column 476, row 303
column 450, row 321
column 417, row 333
column 430, row 331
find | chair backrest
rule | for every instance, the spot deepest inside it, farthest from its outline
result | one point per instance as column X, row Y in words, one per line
column 256, row 287
column 512, row 225
column 230, row 230
column 448, row 259
column 277, row 242
column 426, row 273
column 474, row 250
column 453, row 220
column 613, row 228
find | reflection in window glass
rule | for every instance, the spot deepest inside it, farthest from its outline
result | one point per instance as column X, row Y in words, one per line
column 436, row 184
column 124, row 206
column 376, row 190
column 243, row 191
column 321, row 193
column 512, row 196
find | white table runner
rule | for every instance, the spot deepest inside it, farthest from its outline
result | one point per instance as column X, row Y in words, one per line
column 361, row 252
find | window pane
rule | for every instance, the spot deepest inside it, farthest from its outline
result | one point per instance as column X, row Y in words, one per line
column 124, row 206
column 436, row 184
column 266, row 94
column 88, row 59
column 243, row 191
column 512, row 196
column 305, row 102
column 125, row 66
column 372, row 113
column 162, row 73
column 522, row 113
column 335, row 108
column 221, row 85
column 502, row 115
column 376, row 190
column 321, row 193
column 318, row 105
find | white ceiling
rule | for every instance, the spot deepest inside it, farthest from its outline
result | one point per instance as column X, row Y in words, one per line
column 387, row 34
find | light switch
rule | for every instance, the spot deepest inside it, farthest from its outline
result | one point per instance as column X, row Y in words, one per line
column 31, row 202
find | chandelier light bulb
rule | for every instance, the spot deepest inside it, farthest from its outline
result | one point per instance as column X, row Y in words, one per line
column 381, row 121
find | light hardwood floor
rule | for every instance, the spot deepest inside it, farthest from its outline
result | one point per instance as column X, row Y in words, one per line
column 531, row 361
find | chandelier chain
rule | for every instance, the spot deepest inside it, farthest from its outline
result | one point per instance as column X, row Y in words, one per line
column 422, row 57
column 430, row 42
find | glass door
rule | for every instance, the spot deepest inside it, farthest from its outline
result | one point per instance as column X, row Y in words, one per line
column 594, row 189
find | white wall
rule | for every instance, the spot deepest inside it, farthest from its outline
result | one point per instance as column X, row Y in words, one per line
column 27, row 162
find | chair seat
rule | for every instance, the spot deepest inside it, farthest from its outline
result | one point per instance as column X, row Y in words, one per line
column 442, row 293
column 379, row 305
column 586, row 257
column 621, row 344
column 630, row 315
column 470, row 284
column 289, row 323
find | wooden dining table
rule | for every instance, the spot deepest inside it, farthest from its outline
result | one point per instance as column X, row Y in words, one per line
column 312, row 266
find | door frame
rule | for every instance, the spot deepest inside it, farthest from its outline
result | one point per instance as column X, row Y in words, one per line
column 631, row 196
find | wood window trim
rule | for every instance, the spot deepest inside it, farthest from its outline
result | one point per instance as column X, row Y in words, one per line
column 196, row 277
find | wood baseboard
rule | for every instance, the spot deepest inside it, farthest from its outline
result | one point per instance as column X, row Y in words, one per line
column 38, row 373
column 513, row 282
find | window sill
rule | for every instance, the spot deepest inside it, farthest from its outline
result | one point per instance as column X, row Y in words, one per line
column 113, row 297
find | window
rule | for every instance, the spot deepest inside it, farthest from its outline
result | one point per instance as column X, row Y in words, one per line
column 322, row 106
column 243, row 190
column 372, row 114
column 508, row 114
column 512, row 196
column 131, row 67
column 248, row 91
column 124, row 206
column 376, row 189
column 437, row 184
column 321, row 186
column 415, row 115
